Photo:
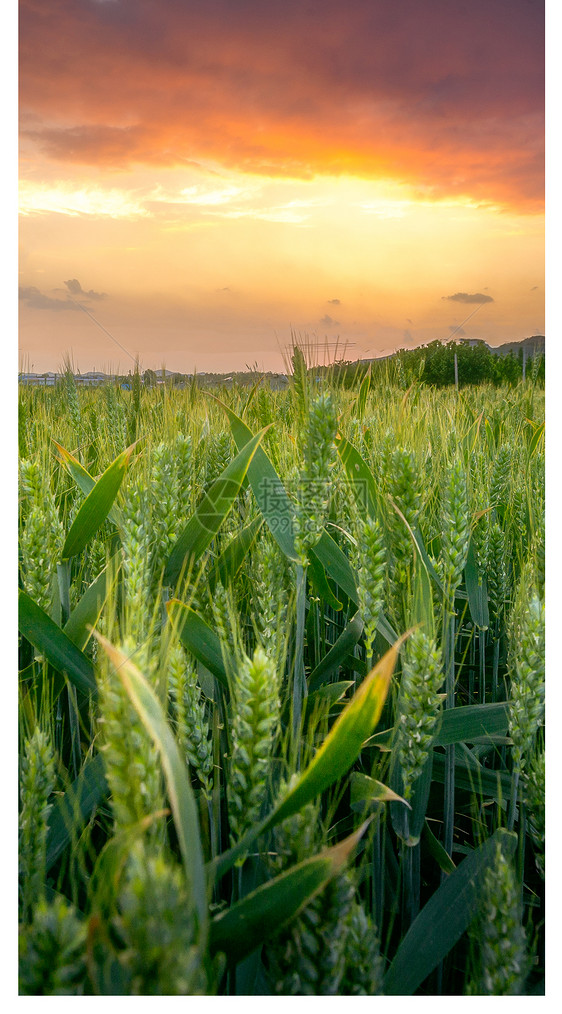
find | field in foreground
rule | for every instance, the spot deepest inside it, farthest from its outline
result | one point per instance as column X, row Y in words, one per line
column 282, row 690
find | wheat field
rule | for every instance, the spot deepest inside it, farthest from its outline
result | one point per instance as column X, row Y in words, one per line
column 281, row 689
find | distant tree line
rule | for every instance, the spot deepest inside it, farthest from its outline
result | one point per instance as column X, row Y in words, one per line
column 435, row 364
column 432, row 364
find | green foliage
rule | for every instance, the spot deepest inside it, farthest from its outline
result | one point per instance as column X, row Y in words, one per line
column 434, row 364
column 331, row 947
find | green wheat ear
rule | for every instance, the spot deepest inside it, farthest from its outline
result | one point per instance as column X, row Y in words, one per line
column 402, row 483
column 319, row 454
column 115, row 420
column 499, row 488
column 226, row 621
column 419, row 705
column 271, row 597
column 137, row 542
column 184, row 465
column 498, row 934
column 52, row 951
column 219, row 454
column 42, row 538
column 299, row 383
column 192, row 726
column 254, row 729
column 132, row 766
column 156, row 929
column 294, row 839
column 72, row 400
column 371, row 566
column 364, row 966
column 331, row 948
column 496, row 570
column 164, row 521
column 309, row 956
column 456, row 528
column 534, row 795
column 37, row 782
column 527, row 646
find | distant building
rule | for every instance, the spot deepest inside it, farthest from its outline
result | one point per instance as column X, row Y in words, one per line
column 473, row 342
column 91, row 379
column 38, row 379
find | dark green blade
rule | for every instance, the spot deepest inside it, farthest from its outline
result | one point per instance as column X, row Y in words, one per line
column 55, row 645
column 83, row 479
column 444, row 919
column 198, row 637
column 96, row 506
column 75, row 807
column 337, row 653
column 472, row 722
column 359, row 476
column 246, row 924
column 86, row 613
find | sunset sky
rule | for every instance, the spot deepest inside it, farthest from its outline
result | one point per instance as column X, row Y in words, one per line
column 205, row 176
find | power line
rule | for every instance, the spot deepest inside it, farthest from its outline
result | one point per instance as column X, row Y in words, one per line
column 104, row 329
column 471, row 314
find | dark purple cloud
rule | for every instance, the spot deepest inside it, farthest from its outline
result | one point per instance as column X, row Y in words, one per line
column 444, row 93
column 75, row 289
column 469, row 297
column 31, row 296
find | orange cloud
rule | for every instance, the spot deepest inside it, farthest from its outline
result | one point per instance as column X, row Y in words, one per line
column 448, row 97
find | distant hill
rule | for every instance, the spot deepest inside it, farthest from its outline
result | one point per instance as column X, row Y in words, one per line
column 533, row 346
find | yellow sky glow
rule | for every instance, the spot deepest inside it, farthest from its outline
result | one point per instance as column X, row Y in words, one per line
column 372, row 262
